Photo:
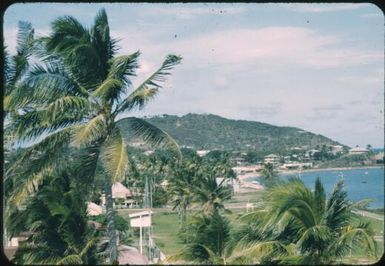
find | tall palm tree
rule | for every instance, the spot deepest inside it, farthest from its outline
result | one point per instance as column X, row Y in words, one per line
column 210, row 194
column 76, row 97
column 182, row 185
column 300, row 226
column 268, row 172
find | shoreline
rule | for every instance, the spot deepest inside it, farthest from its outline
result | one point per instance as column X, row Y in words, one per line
column 248, row 184
column 257, row 174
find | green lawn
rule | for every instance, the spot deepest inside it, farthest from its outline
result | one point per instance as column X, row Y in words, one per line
column 166, row 226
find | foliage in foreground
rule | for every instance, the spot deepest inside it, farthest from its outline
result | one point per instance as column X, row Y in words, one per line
column 56, row 219
column 299, row 226
column 74, row 96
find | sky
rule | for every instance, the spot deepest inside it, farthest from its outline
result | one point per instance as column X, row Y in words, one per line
column 319, row 67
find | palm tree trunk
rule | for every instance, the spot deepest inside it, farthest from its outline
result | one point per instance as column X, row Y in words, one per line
column 112, row 246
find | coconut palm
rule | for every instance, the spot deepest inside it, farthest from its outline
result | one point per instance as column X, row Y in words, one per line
column 268, row 172
column 205, row 238
column 300, row 226
column 57, row 220
column 76, row 97
column 210, row 194
column 181, row 187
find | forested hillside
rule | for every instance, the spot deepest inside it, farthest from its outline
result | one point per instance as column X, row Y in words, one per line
column 201, row 131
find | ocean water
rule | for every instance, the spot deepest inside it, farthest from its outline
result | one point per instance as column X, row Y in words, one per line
column 359, row 183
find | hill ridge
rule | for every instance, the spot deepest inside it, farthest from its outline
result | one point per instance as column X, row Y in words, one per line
column 211, row 131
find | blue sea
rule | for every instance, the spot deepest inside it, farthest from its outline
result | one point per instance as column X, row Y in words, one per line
column 359, row 183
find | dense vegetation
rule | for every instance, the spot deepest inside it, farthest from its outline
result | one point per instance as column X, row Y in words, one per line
column 67, row 105
column 211, row 132
column 72, row 96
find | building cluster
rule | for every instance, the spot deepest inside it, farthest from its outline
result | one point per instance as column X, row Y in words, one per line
column 298, row 159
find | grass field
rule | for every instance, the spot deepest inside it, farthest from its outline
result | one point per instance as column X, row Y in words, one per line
column 166, row 226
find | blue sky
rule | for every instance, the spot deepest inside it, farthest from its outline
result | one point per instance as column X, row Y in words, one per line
column 319, row 67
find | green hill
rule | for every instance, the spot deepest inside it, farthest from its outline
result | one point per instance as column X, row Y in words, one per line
column 201, row 131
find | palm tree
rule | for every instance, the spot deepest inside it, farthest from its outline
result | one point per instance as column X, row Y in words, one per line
column 210, row 194
column 182, row 185
column 300, row 226
column 56, row 217
column 76, row 97
column 205, row 238
column 268, row 172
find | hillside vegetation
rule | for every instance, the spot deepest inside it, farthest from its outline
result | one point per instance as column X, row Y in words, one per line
column 201, row 131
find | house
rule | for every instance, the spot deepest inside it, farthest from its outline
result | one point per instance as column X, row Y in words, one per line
column 240, row 170
column 121, row 196
column 12, row 244
column 202, row 152
column 357, row 151
column 228, row 182
column 272, row 159
column 238, row 160
column 288, row 166
column 94, row 209
column 337, row 149
column 311, row 152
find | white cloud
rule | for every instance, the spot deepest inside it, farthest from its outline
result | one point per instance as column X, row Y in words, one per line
column 192, row 12
column 270, row 45
column 323, row 7
column 373, row 15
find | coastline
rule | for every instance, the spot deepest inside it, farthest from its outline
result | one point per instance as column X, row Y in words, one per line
column 248, row 184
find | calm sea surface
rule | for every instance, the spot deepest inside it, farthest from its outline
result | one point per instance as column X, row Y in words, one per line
column 359, row 183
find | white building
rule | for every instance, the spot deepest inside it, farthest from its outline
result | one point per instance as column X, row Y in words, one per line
column 337, row 148
column 358, row 150
column 202, row 152
column 229, row 182
column 312, row 152
column 272, row 159
column 247, row 169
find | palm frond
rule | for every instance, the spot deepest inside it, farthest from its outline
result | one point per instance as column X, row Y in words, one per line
column 266, row 248
column 32, row 125
column 29, row 185
column 356, row 236
column 151, row 134
column 24, row 45
column 92, row 131
column 114, row 156
column 337, row 207
column 151, row 85
column 70, row 260
column 24, row 37
column 65, row 32
column 73, row 43
column 48, row 146
column 117, row 81
column 293, row 197
column 90, row 244
column 101, row 39
column 60, row 106
column 319, row 199
column 314, row 239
